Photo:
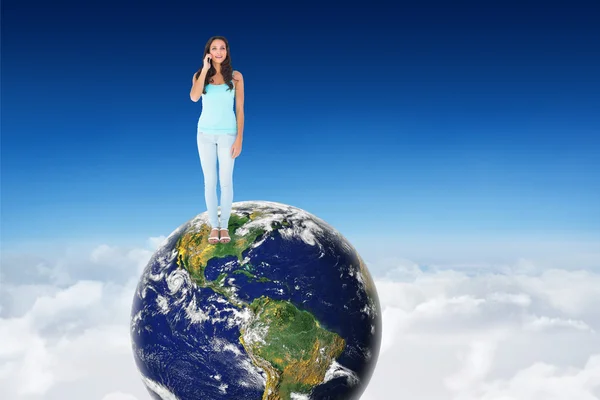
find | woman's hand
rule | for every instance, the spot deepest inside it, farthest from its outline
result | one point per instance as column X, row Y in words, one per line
column 236, row 149
column 206, row 65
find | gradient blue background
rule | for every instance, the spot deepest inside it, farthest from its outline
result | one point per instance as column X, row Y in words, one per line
column 446, row 117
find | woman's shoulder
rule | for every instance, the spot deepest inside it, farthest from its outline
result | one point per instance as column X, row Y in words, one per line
column 237, row 75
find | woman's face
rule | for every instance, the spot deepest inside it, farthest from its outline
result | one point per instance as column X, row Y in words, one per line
column 218, row 51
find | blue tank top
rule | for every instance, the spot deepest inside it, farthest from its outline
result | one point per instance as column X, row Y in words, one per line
column 218, row 115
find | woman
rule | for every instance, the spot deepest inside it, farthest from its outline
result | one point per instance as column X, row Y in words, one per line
column 220, row 130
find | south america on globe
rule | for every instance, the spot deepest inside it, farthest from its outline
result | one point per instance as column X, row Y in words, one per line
column 287, row 310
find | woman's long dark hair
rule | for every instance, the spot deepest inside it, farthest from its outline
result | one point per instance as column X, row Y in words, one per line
column 226, row 69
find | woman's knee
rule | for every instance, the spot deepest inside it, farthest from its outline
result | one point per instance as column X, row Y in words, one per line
column 210, row 179
column 226, row 183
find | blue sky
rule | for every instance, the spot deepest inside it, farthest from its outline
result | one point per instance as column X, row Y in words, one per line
column 436, row 119
column 456, row 144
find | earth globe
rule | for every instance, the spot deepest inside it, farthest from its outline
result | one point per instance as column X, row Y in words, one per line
column 286, row 310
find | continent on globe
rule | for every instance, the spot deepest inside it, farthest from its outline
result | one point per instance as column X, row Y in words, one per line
column 286, row 310
column 290, row 346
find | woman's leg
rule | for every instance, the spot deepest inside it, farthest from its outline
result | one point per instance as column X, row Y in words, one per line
column 207, row 149
column 226, row 163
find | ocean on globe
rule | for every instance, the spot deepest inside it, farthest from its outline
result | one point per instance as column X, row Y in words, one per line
column 286, row 310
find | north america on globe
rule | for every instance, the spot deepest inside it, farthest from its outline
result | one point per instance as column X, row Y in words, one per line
column 286, row 310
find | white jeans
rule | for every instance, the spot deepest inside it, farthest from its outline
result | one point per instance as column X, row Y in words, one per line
column 212, row 148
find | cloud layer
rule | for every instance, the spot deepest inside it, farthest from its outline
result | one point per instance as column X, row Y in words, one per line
column 463, row 335
column 521, row 331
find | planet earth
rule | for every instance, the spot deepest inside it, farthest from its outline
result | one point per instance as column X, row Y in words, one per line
column 286, row 310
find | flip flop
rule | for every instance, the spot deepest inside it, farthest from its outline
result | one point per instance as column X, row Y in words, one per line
column 226, row 238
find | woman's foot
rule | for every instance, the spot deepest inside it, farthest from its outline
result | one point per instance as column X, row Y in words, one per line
column 214, row 236
column 224, row 236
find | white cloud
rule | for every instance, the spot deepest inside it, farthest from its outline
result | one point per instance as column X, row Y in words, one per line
column 68, row 338
column 155, row 242
column 119, row 396
column 459, row 332
column 458, row 335
column 476, row 364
